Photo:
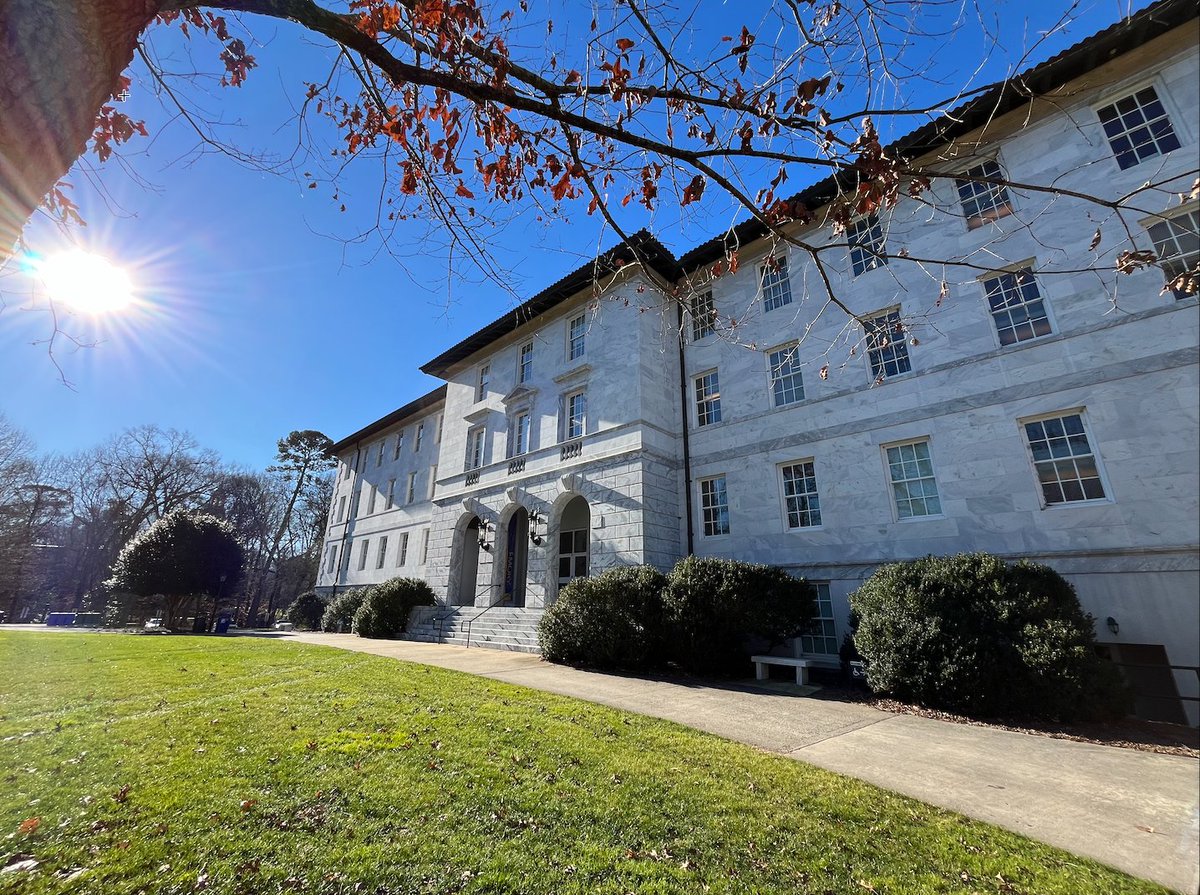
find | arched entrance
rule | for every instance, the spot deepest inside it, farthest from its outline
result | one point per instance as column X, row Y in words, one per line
column 469, row 570
column 516, row 559
column 574, row 546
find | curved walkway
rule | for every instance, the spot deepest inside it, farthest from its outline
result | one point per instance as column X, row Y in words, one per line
column 1137, row 811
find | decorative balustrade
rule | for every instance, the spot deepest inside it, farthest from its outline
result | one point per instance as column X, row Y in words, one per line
column 472, row 478
column 571, row 449
column 515, row 465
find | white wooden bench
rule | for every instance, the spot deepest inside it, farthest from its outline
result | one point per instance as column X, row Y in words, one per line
column 761, row 663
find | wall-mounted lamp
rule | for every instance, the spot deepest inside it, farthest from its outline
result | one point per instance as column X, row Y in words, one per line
column 484, row 529
column 535, row 519
column 1112, row 625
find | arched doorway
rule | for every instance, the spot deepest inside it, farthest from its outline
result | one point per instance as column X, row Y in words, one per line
column 574, row 547
column 516, row 558
column 469, row 569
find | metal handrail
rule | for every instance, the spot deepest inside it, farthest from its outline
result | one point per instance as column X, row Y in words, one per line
column 475, row 618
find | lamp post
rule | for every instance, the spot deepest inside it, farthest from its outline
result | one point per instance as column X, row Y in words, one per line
column 217, row 598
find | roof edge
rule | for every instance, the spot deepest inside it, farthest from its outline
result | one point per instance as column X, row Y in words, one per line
column 412, row 408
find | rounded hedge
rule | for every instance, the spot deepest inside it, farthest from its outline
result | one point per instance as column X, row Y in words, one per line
column 972, row 634
column 385, row 607
column 306, row 611
column 339, row 614
column 718, row 611
column 614, row 620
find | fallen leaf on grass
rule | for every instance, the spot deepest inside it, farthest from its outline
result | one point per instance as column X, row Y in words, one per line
column 247, row 804
column 29, row 826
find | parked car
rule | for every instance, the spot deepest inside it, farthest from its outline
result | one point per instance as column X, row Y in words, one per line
column 284, row 626
column 155, row 626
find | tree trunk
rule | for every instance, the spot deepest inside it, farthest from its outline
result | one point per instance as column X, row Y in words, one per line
column 61, row 60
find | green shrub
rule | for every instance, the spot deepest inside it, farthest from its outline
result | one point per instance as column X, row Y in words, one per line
column 306, row 611
column 719, row 610
column 385, row 607
column 971, row 634
column 614, row 620
column 339, row 614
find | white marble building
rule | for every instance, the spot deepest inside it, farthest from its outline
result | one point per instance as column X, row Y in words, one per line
column 1028, row 407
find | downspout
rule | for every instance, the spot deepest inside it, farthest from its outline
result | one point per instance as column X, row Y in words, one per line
column 687, row 451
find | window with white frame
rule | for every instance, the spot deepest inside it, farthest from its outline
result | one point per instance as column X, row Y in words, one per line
column 482, row 380
column 576, row 415
column 525, row 363
column 331, row 562
column 704, row 315
column 420, row 436
column 370, row 492
column 520, row 431
column 437, row 429
column 1067, row 468
column 914, row 487
column 1177, row 244
column 424, row 546
column 345, row 470
column 399, row 445
column 776, row 285
column 576, row 337
column 391, row 494
column 475, row 442
column 714, row 506
column 379, row 455
column 820, row 637
column 887, row 349
column 381, row 554
column 402, row 553
column 800, row 498
column 1016, row 306
column 868, row 248
column 787, row 384
column 1138, row 127
column 432, row 480
column 983, row 201
column 342, row 508
column 410, row 493
column 708, row 399
column 362, row 553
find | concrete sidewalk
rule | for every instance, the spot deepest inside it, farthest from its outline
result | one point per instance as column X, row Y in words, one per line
column 1136, row 811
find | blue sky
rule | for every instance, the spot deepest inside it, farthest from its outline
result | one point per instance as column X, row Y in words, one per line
column 261, row 313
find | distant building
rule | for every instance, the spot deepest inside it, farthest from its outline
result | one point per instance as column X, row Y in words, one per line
column 1029, row 412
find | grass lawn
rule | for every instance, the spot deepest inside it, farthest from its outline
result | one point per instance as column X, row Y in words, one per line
column 183, row 764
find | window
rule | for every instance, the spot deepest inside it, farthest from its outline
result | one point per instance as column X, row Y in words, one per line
column 1066, row 466
column 382, row 554
column 704, row 315
column 331, row 563
column 368, row 490
column 576, row 335
column 391, row 494
column 708, row 399
column 362, row 554
column 914, row 487
column 868, row 249
column 1138, row 128
column 1016, row 306
column 519, row 441
column 345, row 470
column 983, row 202
column 437, row 429
column 714, row 506
column 342, row 508
column 787, row 385
column 821, row 636
column 402, row 555
column 576, row 415
column 776, row 286
column 420, row 436
column 399, row 445
column 475, row 448
column 886, row 346
column 572, row 555
column 800, row 495
column 525, row 362
column 411, row 491
column 432, row 480
column 379, row 456
column 1177, row 244
column 482, row 381
column 424, row 546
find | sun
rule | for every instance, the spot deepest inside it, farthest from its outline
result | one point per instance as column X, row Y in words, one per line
column 86, row 282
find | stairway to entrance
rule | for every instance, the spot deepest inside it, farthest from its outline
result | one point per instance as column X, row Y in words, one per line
column 500, row 627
